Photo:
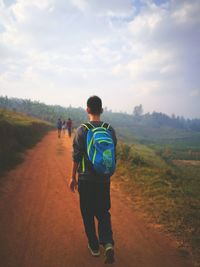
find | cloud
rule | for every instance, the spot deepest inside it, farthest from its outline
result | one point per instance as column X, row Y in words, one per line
column 142, row 51
column 146, row 88
column 187, row 13
column 80, row 4
column 148, row 63
column 104, row 8
column 195, row 93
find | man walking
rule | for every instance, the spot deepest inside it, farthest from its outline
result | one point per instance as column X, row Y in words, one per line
column 59, row 127
column 69, row 127
column 94, row 177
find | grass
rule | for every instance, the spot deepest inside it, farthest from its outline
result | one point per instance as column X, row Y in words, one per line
column 167, row 191
column 160, row 137
column 17, row 133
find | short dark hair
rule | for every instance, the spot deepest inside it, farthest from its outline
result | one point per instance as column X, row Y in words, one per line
column 94, row 103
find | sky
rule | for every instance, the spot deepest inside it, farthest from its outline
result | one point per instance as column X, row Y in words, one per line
column 128, row 52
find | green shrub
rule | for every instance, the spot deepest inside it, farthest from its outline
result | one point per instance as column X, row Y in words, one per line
column 123, row 151
column 137, row 159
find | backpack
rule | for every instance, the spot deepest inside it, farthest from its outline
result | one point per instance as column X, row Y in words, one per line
column 100, row 148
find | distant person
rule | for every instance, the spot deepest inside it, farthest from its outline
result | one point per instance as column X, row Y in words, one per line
column 59, row 127
column 69, row 127
column 64, row 126
column 95, row 168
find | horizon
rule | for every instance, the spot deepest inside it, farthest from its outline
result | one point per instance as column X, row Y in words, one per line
column 128, row 52
column 105, row 108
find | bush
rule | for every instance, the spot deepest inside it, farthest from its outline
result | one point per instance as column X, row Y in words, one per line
column 123, row 151
column 137, row 159
column 127, row 153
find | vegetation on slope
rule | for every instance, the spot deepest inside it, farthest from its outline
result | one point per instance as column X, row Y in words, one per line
column 18, row 132
column 167, row 191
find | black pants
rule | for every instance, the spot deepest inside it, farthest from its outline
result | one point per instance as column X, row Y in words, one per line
column 95, row 202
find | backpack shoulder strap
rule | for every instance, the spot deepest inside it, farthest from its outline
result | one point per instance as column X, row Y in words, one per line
column 88, row 125
column 105, row 125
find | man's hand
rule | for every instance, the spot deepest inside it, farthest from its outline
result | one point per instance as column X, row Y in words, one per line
column 73, row 182
column 73, row 185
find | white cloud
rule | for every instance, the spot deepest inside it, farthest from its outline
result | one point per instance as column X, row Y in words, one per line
column 195, row 93
column 118, row 47
column 146, row 22
column 188, row 13
column 153, row 61
column 170, row 68
column 146, row 88
column 111, row 8
column 80, row 4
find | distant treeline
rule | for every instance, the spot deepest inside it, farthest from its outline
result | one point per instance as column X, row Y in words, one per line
column 123, row 120
column 45, row 112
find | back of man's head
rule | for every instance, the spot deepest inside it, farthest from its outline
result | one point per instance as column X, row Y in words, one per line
column 94, row 105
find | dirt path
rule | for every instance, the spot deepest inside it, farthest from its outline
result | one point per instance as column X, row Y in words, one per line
column 40, row 222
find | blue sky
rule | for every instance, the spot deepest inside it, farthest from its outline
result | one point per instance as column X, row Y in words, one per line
column 127, row 52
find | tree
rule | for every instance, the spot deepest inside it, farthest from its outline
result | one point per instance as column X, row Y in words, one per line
column 138, row 111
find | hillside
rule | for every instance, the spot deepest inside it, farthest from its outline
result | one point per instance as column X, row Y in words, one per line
column 168, row 191
column 18, row 132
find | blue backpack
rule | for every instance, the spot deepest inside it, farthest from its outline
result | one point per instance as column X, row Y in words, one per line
column 100, row 148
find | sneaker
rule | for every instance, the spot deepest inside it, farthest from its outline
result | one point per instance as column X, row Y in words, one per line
column 94, row 252
column 109, row 254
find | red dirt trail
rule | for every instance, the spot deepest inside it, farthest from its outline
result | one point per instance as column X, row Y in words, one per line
column 41, row 226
